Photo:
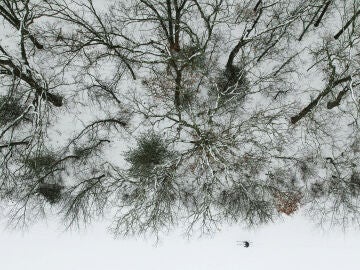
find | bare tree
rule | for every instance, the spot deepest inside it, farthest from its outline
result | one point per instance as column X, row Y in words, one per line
column 199, row 112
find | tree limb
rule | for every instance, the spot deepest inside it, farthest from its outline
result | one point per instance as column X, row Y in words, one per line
column 347, row 25
column 313, row 103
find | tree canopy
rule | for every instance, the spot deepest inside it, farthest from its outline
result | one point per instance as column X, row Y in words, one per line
column 191, row 113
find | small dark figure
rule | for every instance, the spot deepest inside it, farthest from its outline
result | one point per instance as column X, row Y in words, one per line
column 244, row 243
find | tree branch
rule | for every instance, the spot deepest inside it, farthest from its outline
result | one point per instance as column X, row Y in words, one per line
column 313, row 103
column 12, row 69
column 15, row 22
column 347, row 25
column 336, row 102
column 10, row 144
column 317, row 23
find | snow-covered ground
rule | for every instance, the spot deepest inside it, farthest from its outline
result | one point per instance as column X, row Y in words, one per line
column 293, row 244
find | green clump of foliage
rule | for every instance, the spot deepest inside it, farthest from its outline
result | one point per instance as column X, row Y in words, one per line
column 151, row 151
column 231, row 83
column 186, row 98
column 10, row 109
column 41, row 163
column 355, row 184
column 83, row 151
column 51, row 192
column 194, row 56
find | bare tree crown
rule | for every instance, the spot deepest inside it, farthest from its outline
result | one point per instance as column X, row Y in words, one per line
column 172, row 112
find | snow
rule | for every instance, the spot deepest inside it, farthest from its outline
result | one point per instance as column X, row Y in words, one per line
column 295, row 244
